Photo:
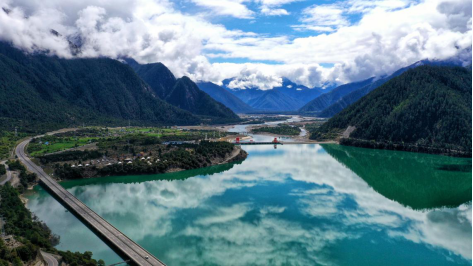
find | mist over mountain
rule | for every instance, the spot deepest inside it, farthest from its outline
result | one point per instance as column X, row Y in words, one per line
column 332, row 103
column 39, row 91
column 182, row 92
column 287, row 97
column 225, row 97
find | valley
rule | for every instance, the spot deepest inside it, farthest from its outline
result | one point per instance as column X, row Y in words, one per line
column 209, row 205
column 135, row 161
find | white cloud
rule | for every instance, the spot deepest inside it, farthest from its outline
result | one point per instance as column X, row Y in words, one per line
column 273, row 11
column 269, row 7
column 277, row 2
column 388, row 35
column 234, row 8
column 329, row 16
column 224, row 215
column 249, row 78
column 363, row 6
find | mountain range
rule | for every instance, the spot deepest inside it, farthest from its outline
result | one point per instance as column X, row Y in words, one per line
column 225, row 97
column 182, row 93
column 426, row 106
column 45, row 92
column 331, row 103
column 320, row 103
column 287, row 97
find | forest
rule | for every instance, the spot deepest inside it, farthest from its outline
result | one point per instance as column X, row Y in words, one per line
column 281, row 129
column 31, row 232
column 40, row 93
column 163, row 158
column 428, row 106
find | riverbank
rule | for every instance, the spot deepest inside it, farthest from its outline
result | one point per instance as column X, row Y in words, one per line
column 174, row 159
column 403, row 147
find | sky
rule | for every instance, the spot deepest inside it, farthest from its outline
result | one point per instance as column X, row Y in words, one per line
column 316, row 43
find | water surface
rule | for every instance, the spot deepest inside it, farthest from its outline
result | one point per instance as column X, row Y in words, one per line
column 294, row 205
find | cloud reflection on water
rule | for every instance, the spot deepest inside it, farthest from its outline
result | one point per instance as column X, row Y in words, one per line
column 226, row 218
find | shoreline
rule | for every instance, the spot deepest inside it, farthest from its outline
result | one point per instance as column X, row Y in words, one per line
column 403, row 147
column 237, row 155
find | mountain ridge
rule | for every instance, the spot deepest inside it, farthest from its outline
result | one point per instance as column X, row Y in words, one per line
column 426, row 106
column 182, row 92
column 290, row 94
column 355, row 95
column 40, row 91
column 225, row 97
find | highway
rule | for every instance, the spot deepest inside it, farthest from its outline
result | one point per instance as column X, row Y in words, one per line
column 116, row 239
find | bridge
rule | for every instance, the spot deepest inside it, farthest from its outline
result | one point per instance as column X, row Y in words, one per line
column 258, row 143
column 114, row 238
column 282, row 143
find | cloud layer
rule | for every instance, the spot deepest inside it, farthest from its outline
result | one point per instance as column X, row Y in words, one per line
column 342, row 41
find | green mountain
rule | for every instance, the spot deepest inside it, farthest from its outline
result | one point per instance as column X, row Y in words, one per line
column 157, row 74
column 273, row 100
column 225, row 97
column 327, row 99
column 427, row 108
column 355, row 95
column 183, row 93
column 186, row 95
column 40, row 92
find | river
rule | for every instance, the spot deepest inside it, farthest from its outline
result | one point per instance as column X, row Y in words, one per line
column 294, row 205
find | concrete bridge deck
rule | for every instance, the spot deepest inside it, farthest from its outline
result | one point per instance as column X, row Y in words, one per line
column 282, row 142
column 116, row 239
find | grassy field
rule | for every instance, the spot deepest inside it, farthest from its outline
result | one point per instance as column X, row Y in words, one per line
column 281, row 129
column 53, row 144
column 8, row 141
column 65, row 141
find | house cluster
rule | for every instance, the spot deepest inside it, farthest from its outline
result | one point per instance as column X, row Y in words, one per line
column 120, row 161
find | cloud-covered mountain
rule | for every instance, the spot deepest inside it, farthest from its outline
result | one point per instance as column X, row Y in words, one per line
column 42, row 92
column 289, row 96
column 300, row 92
column 182, row 92
column 225, row 97
column 425, row 106
column 337, row 42
column 332, row 103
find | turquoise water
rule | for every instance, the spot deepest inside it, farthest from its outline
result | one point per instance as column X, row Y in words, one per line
column 294, row 205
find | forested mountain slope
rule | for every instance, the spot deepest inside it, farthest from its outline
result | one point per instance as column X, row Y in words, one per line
column 355, row 95
column 186, row 95
column 225, row 97
column 38, row 91
column 426, row 106
column 325, row 100
column 273, row 100
column 182, row 92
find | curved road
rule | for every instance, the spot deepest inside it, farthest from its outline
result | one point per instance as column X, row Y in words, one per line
column 50, row 260
column 115, row 238
column 8, row 173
